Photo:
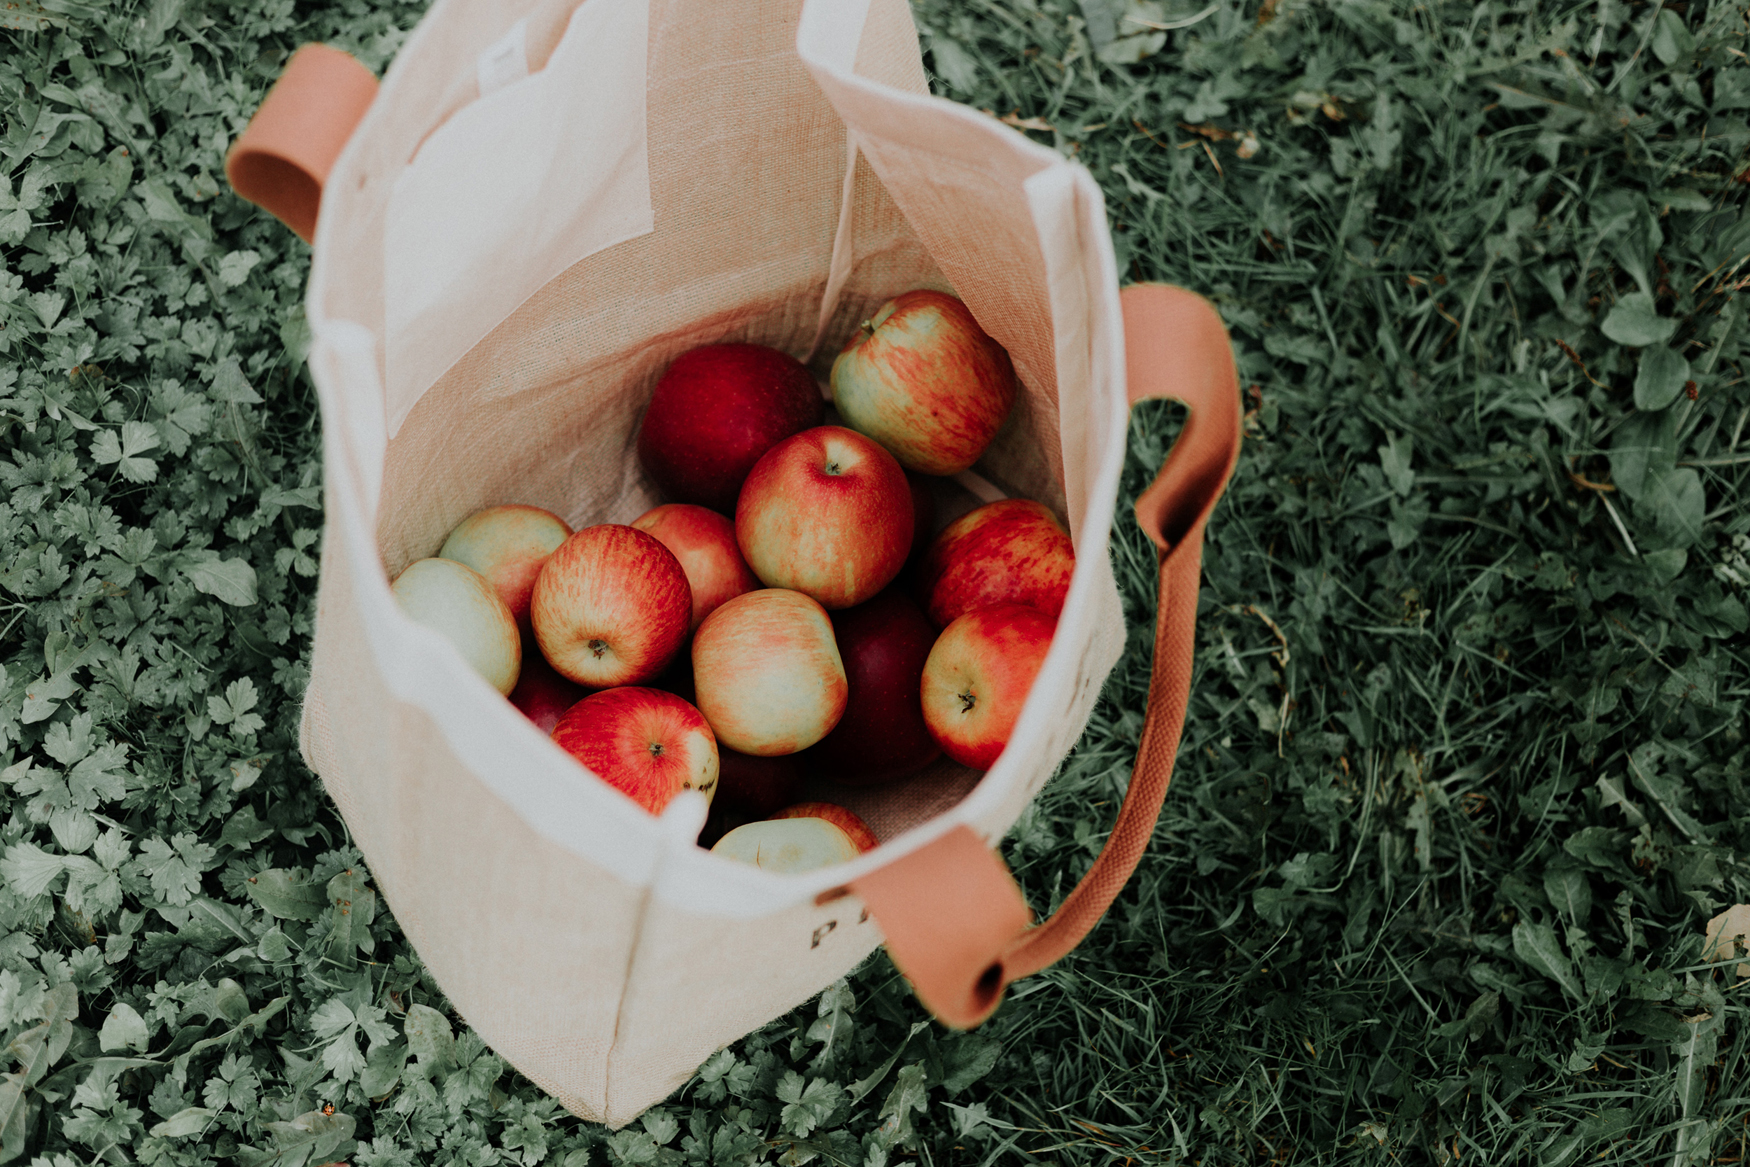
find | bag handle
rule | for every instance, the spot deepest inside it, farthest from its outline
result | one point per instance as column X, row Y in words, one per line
column 954, row 919
column 284, row 156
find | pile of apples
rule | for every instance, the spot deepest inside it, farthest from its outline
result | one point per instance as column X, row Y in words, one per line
column 830, row 635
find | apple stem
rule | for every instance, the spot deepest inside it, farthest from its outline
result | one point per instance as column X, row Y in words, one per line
column 967, row 701
column 868, row 326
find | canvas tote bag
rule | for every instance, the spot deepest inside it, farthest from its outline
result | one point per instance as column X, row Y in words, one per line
column 544, row 205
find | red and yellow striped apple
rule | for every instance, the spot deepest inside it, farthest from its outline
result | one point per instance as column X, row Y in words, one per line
column 978, row 677
column 854, row 827
column 508, row 544
column 767, row 672
column 611, row 606
column 704, row 542
column 1013, row 551
column 923, row 379
column 826, row 513
column 647, row 744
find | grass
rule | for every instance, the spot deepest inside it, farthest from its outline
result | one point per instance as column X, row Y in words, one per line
column 1464, row 774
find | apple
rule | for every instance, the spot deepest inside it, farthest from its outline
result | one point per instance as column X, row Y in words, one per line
column 456, row 601
column 757, row 786
column 1013, row 551
column 715, row 411
column 788, row 846
column 720, row 821
column 922, row 378
column 704, row 542
column 882, row 735
column 977, row 679
column 508, row 544
column 647, row 744
column 826, row 513
column 541, row 694
column 854, row 827
column 749, row 788
column 611, row 606
column 767, row 672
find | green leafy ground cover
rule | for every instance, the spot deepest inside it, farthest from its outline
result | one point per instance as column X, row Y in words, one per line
column 1464, row 775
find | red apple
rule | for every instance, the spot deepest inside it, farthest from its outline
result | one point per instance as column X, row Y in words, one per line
column 826, row 513
column 455, row 600
column 767, row 672
column 647, row 744
column 757, row 786
column 1013, row 551
column 882, row 735
column 542, row 695
column 788, row 846
column 922, row 378
column 715, row 411
column 838, row 816
column 508, row 544
column 978, row 676
column 611, row 606
column 704, row 542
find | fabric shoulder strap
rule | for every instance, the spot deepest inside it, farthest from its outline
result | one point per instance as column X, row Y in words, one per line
column 954, row 919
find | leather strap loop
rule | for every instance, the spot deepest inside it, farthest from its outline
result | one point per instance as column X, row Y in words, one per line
column 284, row 156
column 954, row 919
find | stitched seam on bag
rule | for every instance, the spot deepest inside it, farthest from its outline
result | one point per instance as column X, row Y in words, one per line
column 625, row 991
column 956, row 156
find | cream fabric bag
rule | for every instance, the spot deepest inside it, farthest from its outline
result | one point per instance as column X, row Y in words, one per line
column 545, row 204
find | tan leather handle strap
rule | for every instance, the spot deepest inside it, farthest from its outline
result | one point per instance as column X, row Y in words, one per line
column 954, row 919
column 282, row 159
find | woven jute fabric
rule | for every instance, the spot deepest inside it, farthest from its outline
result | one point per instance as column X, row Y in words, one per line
column 488, row 324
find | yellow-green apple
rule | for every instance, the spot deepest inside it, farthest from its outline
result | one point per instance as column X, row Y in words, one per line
column 611, row 606
column 826, row 513
column 541, row 694
column 855, row 828
column 978, row 676
column 884, row 643
column 508, row 544
column 923, row 379
column 647, row 744
column 788, row 846
column 1013, row 551
column 456, row 601
column 767, row 672
column 704, row 542
column 715, row 411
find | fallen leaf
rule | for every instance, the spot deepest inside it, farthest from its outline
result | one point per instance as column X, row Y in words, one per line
column 1728, row 934
column 1214, row 133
